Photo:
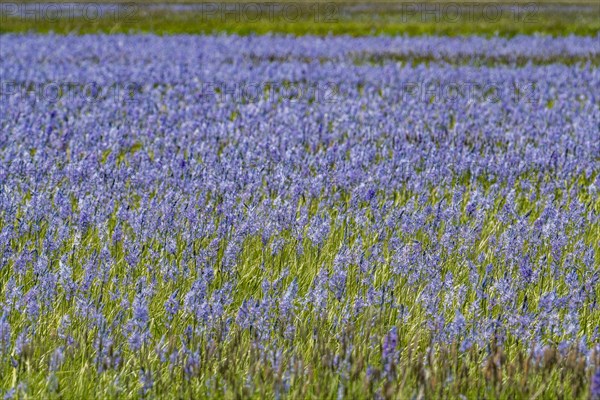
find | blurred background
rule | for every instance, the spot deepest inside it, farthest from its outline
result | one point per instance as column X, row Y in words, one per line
column 488, row 18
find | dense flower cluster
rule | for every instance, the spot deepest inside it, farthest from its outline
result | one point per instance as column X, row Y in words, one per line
column 388, row 239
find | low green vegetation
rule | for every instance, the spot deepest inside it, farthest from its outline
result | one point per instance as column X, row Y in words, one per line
column 315, row 19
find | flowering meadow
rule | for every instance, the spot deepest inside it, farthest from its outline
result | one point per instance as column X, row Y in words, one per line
column 195, row 217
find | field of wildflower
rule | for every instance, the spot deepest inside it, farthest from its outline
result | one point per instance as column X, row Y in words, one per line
column 299, row 217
